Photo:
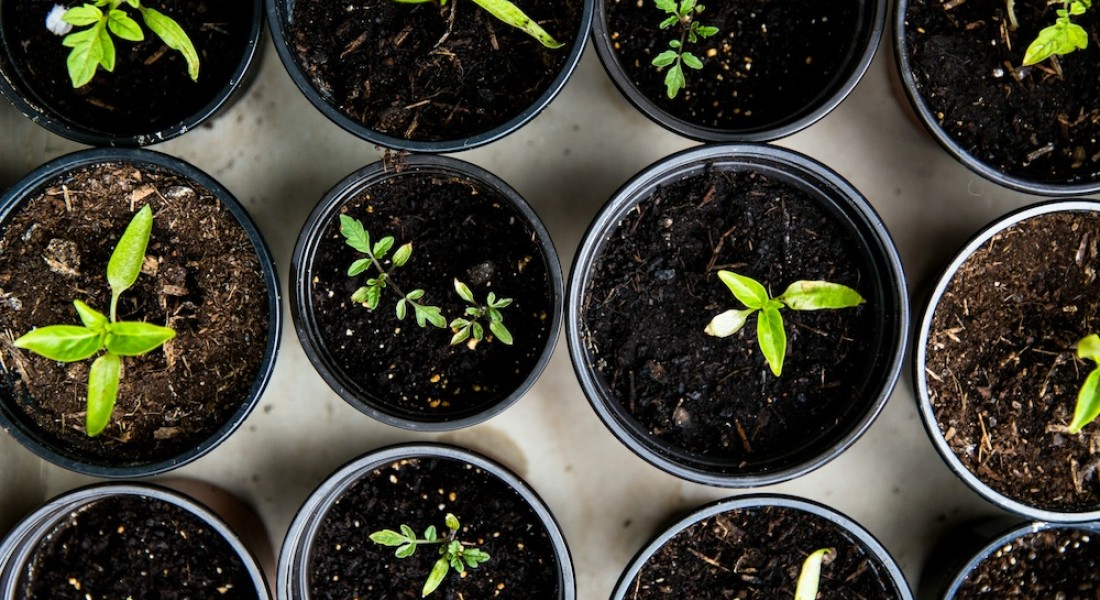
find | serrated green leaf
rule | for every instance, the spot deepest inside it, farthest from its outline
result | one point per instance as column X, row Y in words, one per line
column 401, row 309
column 817, row 295
column 86, row 54
column 706, row 31
column 354, row 234
column 457, row 323
column 90, row 317
column 456, row 563
column 406, row 550
column 810, row 575
column 464, row 292
column 674, row 80
column 408, row 532
column 107, row 58
column 402, row 255
column 772, row 338
column 102, row 392
column 664, row 59
column 474, row 557
column 686, row 6
column 125, row 264
column 435, row 578
column 124, row 27
column 691, row 60
column 474, row 312
column 666, row 5
column 746, row 289
column 669, row 22
column 415, row 295
column 429, row 314
column 134, row 339
column 64, row 343
column 83, row 15
column 501, row 332
column 359, row 266
column 494, row 314
column 501, row 303
column 512, row 15
column 374, row 296
column 173, row 36
column 728, row 323
column 388, row 537
column 382, row 247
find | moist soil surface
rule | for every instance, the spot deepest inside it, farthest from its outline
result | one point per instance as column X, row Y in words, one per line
column 1027, row 122
column 134, row 547
column 425, row 72
column 758, row 553
column 768, row 63
column 1061, row 563
column 655, row 287
column 1001, row 361
column 149, row 89
column 201, row 277
column 420, row 492
column 461, row 229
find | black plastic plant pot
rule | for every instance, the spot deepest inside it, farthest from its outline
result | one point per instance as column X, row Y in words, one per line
column 464, row 224
column 995, row 367
column 207, row 274
column 767, row 73
column 645, row 285
column 429, row 78
column 998, row 559
column 768, row 537
column 967, row 87
column 108, row 540
column 327, row 552
column 149, row 97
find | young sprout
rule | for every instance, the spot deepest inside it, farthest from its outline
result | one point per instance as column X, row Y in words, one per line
column 93, row 47
column 691, row 30
column 469, row 329
column 1088, row 398
column 1061, row 38
column 800, row 295
column 370, row 295
column 510, row 14
column 810, row 575
column 453, row 554
column 71, row 343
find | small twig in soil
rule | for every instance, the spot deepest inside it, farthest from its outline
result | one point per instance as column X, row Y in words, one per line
column 744, row 436
column 710, row 561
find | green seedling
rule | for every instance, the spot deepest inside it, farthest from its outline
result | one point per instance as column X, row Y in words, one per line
column 683, row 14
column 469, row 328
column 800, row 295
column 453, row 554
column 810, row 575
column 71, row 343
column 93, row 47
column 1088, row 398
column 510, row 14
column 1061, row 38
column 370, row 295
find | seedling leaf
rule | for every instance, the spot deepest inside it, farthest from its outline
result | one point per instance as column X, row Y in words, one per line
column 463, row 291
column 817, row 295
column 173, row 36
column 439, row 571
column 64, row 343
column 354, row 234
column 124, row 27
column 749, row 291
column 387, row 537
column 512, row 15
column 92, row 318
column 729, row 322
column 134, row 338
column 810, row 576
column 125, row 264
column 102, row 392
column 402, row 255
column 1088, row 398
column 501, row 332
column 773, row 338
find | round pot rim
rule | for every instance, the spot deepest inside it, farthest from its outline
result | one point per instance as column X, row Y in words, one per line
column 904, row 66
column 28, row 437
column 294, row 555
column 856, row 66
column 762, row 500
column 38, row 523
column 920, row 354
column 865, row 223
column 1001, row 539
column 76, row 132
column 278, row 19
column 300, row 281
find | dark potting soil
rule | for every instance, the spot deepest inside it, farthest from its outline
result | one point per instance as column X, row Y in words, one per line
column 461, row 229
column 1062, row 563
column 655, row 288
column 201, row 277
column 1001, row 361
column 346, row 564
column 1024, row 121
column 758, row 553
column 150, row 89
column 425, row 72
column 768, row 62
column 134, row 547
